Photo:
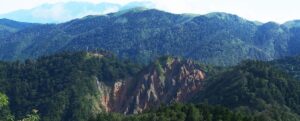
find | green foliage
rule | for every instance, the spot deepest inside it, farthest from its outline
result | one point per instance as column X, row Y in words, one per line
column 158, row 67
column 144, row 35
column 181, row 112
column 8, row 27
column 3, row 100
column 62, row 86
column 32, row 117
column 257, row 87
column 5, row 112
column 4, row 109
column 290, row 65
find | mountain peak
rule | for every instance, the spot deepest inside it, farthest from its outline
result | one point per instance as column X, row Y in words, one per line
column 66, row 11
column 131, row 10
column 221, row 15
column 225, row 16
column 292, row 24
column 14, row 24
column 5, row 20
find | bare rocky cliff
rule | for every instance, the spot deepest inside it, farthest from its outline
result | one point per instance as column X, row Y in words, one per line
column 167, row 80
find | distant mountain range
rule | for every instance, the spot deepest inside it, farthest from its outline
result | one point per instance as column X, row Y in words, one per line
column 144, row 34
column 8, row 27
column 62, row 12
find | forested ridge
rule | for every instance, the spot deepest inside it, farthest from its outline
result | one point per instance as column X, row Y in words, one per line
column 150, row 65
column 143, row 35
column 66, row 87
column 60, row 87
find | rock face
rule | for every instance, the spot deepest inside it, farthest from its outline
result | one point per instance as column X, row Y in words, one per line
column 168, row 80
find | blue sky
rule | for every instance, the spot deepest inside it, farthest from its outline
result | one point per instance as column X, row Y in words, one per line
column 261, row 10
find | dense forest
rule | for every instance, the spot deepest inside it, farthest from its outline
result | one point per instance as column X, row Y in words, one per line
column 60, row 87
column 71, row 87
column 149, row 65
column 181, row 112
column 145, row 34
column 258, row 88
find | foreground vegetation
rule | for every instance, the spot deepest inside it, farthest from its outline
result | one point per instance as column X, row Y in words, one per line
column 181, row 112
column 63, row 87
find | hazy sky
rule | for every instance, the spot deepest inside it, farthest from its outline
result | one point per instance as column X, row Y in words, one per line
column 261, row 10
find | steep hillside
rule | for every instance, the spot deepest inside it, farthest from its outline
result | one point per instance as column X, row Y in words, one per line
column 293, row 24
column 8, row 27
column 144, row 34
column 77, row 86
column 180, row 112
column 167, row 80
column 256, row 87
column 83, row 85
column 61, row 87
column 14, row 24
column 291, row 65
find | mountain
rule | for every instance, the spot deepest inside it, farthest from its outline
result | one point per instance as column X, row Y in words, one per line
column 290, row 65
column 61, row 87
column 80, row 85
column 83, row 85
column 147, row 64
column 257, row 87
column 180, row 112
column 292, row 24
column 14, row 24
column 8, row 27
column 62, row 12
column 166, row 80
column 144, row 34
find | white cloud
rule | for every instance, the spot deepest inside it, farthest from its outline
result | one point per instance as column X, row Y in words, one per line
column 56, row 13
column 262, row 10
column 110, row 10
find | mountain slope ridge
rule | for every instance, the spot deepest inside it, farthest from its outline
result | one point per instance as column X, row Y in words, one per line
column 217, row 38
column 77, row 86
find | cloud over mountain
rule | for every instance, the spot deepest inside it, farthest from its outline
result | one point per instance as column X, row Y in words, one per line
column 62, row 12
